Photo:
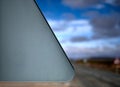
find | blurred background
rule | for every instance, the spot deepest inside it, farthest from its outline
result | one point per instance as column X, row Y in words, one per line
column 85, row 28
column 89, row 32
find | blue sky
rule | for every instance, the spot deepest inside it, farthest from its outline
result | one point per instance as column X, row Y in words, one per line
column 85, row 28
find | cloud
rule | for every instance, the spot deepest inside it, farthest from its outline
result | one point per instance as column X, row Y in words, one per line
column 89, row 3
column 113, row 2
column 57, row 25
column 99, row 6
column 106, row 25
column 80, row 3
column 79, row 39
column 109, row 1
column 104, row 22
column 93, row 48
column 66, row 30
column 117, row 2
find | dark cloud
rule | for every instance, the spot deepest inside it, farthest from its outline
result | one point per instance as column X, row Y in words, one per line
column 117, row 2
column 106, row 26
column 113, row 2
column 104, row 22
column 80, row 3
column 79, row 39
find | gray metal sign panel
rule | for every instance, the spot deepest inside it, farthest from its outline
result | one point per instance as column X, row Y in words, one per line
column 29, row 51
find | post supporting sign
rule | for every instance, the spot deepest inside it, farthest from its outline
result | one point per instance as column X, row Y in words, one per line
column 117, row 62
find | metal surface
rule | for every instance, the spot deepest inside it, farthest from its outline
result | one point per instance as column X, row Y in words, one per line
column 29, row 50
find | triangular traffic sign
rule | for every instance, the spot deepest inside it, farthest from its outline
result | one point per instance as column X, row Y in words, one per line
column 29, row 51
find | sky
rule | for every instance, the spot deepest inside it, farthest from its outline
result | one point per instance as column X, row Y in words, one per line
column 85, row 28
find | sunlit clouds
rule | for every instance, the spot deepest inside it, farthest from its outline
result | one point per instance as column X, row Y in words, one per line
column 102, row 47
column 85, row 28
column 68, row 30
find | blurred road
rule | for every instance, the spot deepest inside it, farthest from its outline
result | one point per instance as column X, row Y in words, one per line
column 85, row 77
column 96, row 78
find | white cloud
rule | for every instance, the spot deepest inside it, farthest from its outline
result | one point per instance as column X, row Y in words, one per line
column 57, row 24
column 79, row 22
column 65, row 30
column 93, row 48
column 82, row 28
